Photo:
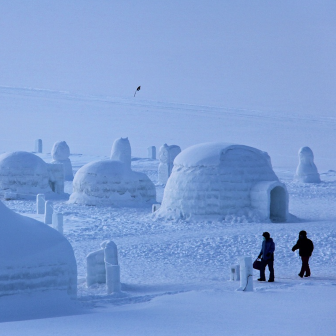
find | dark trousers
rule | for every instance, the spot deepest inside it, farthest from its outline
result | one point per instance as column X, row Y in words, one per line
column 269, row 263
column 305, row 266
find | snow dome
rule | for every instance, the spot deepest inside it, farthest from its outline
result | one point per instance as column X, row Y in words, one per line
column 34, row 257
column 113, row 182
column 24, row 174
column 215, row 180
column 306, row 171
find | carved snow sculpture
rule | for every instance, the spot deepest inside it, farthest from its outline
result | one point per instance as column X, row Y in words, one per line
column 246, row 274
column 60, row 154
column 34, row 257
column 121, row 151
column 103, row 267
column 38, row 146
column 151, row 152
column 40, row 204
column 215, row 180
column 112, row 182
column 27, row 175
column 57, row 221
column 167, row 155
column 306, row 171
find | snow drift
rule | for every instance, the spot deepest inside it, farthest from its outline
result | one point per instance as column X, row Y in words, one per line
column 34, row 257
column 215, row 180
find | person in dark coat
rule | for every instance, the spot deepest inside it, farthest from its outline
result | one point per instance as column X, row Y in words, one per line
column 306, row 248
column 267, row 253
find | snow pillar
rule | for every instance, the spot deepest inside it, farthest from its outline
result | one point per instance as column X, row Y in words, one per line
column 40, row 204
column 38, row 146
column 235, row 273
column 57, row 222
column 48, row 211
column 246, row 274
column 151, row 152
column 95, row 268
column 167, row 156
column 112, row 267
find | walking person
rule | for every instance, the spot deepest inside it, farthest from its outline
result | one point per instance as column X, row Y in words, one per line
column 267, row 254
column 306, row 248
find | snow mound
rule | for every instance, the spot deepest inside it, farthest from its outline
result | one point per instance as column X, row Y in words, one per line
column 111, row 183
column 306, row 171
column 23, row 173
column 217, row 180
column 34, row 257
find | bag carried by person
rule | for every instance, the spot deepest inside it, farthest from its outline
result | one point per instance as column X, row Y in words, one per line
column 257, row 264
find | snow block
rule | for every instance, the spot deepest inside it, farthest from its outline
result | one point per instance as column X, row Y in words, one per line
column 167, row 155
column 151, row 152
column 57, row 221
column 95, row 268
column 246, row 274
column 40, row 204
column 56, row 177
column 48, row 212
column 38, row 146
column 113, row 278
column 213, row 180
column 60, row 154
column 34, row 257
column 306, row 171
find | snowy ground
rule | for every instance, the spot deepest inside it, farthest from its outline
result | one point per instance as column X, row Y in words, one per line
column 175, row 274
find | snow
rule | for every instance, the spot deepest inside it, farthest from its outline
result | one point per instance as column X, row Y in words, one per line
column 256, row 73
column 217, row 180
column 111, row 183
column 60, row 154
column 306, row 171
column 34, row 257
column 121, row 151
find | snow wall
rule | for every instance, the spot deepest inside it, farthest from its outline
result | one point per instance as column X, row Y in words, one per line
column 112, row 183
column 24, row 174
column 216, row 180
column 34, row 257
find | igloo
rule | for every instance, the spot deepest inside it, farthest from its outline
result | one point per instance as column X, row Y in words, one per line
column 23, row 175
column 306, row 171
column 215, row 180
column 113, row 182
column 60, row 154
column 34, row 257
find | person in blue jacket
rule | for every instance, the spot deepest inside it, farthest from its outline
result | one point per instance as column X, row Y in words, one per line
column 267, row 257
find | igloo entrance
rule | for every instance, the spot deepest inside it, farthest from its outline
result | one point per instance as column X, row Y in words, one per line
column 278, row 205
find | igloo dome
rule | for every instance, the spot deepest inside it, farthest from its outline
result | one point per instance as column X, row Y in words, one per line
column 25, row 174
column 215, row 180
column 112, row 182
column 34, row 257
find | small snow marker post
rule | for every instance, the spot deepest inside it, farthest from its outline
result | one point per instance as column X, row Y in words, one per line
column 112, row 268
column 137, row 89
column 40, row 204
column 235, row 273
column 246, row 274
column 48, row 211
column 57, row 221
column 38, row 146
